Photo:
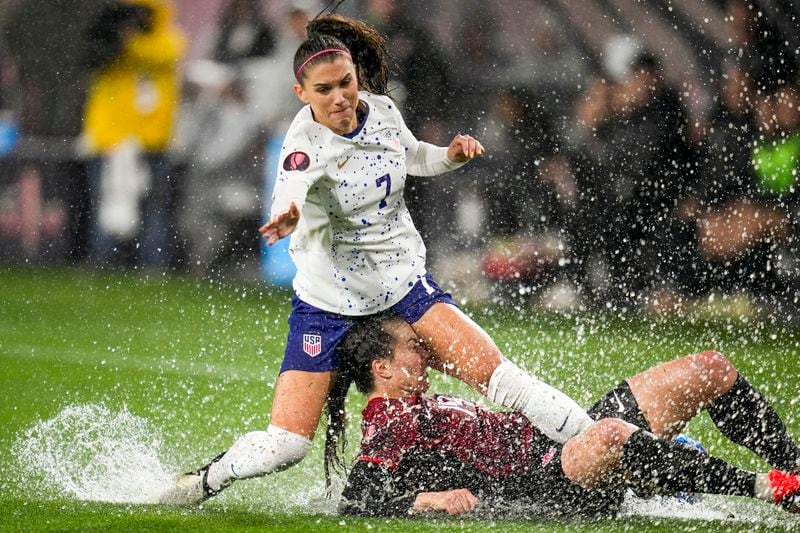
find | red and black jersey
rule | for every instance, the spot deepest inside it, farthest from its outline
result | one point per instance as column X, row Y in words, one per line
column 498, row 444
column 437, row 443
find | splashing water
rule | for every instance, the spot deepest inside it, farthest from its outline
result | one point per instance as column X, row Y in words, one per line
column 89, row 452
column 717, row 508
column 665, row 507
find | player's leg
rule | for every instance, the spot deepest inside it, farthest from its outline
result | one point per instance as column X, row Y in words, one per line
column 297, row 404
column 745, row 416
column 614, row 451
column 611, row 446
column 671, row 394
column 461, row 348
column 591, row 458
column 296, row 410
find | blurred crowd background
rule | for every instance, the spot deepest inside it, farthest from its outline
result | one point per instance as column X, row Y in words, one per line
column 641, row 153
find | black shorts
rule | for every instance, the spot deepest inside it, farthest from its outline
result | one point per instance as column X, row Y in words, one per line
column 548, row 486
column 619, row 403
column 551, row 491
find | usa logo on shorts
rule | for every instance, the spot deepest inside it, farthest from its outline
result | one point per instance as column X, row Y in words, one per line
column 312, row 344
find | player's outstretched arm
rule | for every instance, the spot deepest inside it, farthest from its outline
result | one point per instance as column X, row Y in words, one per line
column 281, row 224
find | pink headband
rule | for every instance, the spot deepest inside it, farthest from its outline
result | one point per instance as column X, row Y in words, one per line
column 317, row 54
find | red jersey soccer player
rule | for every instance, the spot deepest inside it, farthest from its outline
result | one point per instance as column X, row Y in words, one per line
column 437, row 453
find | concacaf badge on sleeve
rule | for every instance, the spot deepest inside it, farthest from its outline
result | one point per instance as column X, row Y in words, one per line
column 296, row 161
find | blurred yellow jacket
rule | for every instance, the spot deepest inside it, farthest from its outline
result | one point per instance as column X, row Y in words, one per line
column 137, row 95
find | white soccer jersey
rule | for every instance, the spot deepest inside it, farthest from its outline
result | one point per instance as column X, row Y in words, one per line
column 356, row 249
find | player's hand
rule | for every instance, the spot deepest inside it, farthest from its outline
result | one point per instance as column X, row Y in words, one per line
column 281, row 224
column 453, row 502
column 463, row 148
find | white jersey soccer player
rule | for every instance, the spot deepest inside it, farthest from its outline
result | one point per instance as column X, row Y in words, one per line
column 356, row 249
column 339, row 194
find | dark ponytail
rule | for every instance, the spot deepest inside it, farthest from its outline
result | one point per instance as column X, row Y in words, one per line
column 366, row 46
column 364, row 342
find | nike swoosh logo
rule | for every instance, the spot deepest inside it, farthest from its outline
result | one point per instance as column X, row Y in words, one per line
column 560, row 428
column 619, row 403
column 343, row 163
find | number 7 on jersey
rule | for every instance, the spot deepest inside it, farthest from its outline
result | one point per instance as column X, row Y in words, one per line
column 387, row 179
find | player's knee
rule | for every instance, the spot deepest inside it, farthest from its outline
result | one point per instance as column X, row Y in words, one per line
column 718, row 369
column 589, row 458
column 571, row 461
column 602, row 435
column 611, row 433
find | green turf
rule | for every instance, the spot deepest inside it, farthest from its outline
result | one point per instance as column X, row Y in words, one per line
column 197, row 360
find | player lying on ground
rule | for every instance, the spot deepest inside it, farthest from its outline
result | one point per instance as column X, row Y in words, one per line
column 437, row 453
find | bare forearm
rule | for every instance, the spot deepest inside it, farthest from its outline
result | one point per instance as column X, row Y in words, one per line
column 453, row 502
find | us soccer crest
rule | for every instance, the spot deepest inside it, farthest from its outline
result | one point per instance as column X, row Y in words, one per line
column 312, row 344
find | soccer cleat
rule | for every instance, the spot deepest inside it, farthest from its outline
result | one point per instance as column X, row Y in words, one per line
column 192, row 488
column 786, row 489
column 188, row 490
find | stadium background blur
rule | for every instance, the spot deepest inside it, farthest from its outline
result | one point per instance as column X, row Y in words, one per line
column 641, row 154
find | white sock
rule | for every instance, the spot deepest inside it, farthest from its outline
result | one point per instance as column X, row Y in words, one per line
column 258, row 453
column 552, row 412
column 763, row 488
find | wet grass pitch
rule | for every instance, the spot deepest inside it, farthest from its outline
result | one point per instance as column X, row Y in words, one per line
column 182, row 367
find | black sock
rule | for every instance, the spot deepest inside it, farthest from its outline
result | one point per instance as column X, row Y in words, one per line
column 652, row 462
column 746, row 417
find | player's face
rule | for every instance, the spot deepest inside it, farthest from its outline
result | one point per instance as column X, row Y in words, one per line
column 331, row 89
column 409, row 360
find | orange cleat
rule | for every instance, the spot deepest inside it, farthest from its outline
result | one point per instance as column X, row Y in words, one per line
column 786, row 489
